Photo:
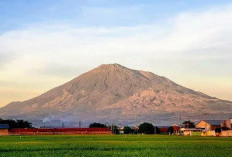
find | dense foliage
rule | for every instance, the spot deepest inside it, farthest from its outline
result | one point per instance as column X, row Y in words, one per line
column 146, row 128
column 218, row 130
column 114, row 129
column 156, row 130
column 16, row 123
column 97, row 125
column 128, row 130
column 189, row 124
column 170, row 130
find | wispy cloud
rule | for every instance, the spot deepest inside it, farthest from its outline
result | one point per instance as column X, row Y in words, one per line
column 192, row 43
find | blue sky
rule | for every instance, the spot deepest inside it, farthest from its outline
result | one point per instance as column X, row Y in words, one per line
column 15, row 14
column 45, row 43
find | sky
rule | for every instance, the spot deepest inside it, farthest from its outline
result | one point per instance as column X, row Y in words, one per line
column 46, row 43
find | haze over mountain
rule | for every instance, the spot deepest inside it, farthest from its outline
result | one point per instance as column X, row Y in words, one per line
column 115, row 94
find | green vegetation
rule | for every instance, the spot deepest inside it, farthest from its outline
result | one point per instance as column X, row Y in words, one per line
column 189, row 124
column 16, row 123
column 128, row 130
column 146, row 128
column 170, row 130
column 97, row 125
column 196, row 133
column 114, row 129
column 115, row 145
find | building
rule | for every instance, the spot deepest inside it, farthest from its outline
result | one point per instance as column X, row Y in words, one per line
column 121, row 130
column 190, row 131
column 163, row 129
column 4, row 129
column 176, row 128
column 60, row 131
column 227, row 124
column 128, row 129
column 208, row 125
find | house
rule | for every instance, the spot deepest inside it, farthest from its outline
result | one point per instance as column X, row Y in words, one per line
column 227, row 124
column 163, row 129
column 190, row 131
column 121, row 130
column 4, row 129
column 128, row 129
column 176, row 128
column 208, row 125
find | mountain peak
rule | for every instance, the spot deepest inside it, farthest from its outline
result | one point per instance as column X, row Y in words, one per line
column 115, row 65
column 111, row 91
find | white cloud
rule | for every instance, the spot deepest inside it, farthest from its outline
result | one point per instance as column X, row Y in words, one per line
column 192, row 39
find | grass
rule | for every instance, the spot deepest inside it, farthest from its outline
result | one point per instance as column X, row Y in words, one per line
column 115, row 145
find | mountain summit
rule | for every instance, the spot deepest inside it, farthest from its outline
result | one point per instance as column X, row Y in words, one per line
column 112, row 93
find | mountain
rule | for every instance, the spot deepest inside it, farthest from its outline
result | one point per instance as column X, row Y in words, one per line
column 115, row 94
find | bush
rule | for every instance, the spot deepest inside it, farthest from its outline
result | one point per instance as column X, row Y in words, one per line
column 189, row 124
column 128, row 130
column 114, row 129
column 218, row 130
column 16, row 123
column 157, row 130
column 146, row 128
column 97, row 125
column 170, row 130
column 225, row 128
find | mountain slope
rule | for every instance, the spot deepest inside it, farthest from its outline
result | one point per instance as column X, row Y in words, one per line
column 115, row 94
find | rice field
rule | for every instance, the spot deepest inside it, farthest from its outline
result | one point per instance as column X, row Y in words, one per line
column 115, row 145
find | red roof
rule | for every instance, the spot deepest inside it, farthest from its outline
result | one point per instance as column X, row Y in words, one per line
column 60, row 130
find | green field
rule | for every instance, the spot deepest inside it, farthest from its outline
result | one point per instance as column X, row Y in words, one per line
column 115, row 145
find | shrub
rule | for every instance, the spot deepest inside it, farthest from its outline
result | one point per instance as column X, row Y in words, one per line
column 97, row 125
column 218, row 130
column 170, row 130
column 16, row 123
column 114, row 129
column 128, row 130
column 189, row 124
column 146, row 128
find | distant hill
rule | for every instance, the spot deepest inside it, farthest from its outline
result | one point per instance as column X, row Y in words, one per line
column 115, row 94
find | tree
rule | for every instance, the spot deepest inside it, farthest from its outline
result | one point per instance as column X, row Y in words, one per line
column 218, row 130
column 114, row 129
column 225, row 128
column 146, row 128
column 189, row 124
column 170, row 130
column 156, row 130
column 128, row 130
column 97, row 125
column 16, row 123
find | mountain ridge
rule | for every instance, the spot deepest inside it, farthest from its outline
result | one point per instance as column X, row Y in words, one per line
column 101, row 94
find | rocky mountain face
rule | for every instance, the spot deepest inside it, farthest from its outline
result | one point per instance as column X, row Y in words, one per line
column 115, row 94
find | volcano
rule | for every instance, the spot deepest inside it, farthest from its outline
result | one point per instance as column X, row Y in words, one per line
column 114, row 94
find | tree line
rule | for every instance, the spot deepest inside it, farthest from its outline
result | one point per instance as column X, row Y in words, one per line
column 144, row 128
column 16, row 123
